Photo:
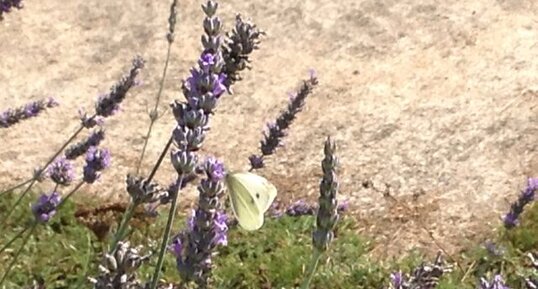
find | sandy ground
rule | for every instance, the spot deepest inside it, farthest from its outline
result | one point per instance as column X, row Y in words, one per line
column 437, row 99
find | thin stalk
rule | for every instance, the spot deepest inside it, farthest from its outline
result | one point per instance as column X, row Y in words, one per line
column 13, row 239
column 166, row 236
column 316, row 256
column 120, row 232
column 161, row 158
column 16, row 186
column 153, row 116
column 34, row 179
column 62, row 202
column 10, row 266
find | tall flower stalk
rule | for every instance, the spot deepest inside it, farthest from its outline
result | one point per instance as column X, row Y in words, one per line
column 202, row 90
column 277, row 130
column 154, row 114
column 106, row 106
column 327, row 215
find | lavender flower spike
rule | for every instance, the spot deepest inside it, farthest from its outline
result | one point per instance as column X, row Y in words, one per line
column 497, row 283
column 61, row 172
column 32, row 109
column 78, row 149
column 108, row 104
column 207, row 229
column 96, row 161
column 527, row 196
column 277, row 131
column 7, row 5
column 327, row 214
column 45, row 207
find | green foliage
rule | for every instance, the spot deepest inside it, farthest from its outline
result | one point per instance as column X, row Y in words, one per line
column 65, row 251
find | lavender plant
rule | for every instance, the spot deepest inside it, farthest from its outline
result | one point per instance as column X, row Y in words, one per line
column 241, row 42
column 201, row 90
column 7, row 6
column 106, row 106
column 527, row 196
column 327, row 215
column 12, row 116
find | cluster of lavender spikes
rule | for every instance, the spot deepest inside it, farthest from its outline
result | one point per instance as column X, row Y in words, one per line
column 32, row 109
column 527, row 196
column 7, row 5
column 277, row 131
column 425, row 276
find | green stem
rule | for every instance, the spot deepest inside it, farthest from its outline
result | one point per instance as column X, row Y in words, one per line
column 62, row 202
column 34, row 179
column 13, row 239
column 16, row 186
column 120, row 232
column 161, row 158
column 316, row 255
column 10, row 266
column 154, row 117
column 166, row 236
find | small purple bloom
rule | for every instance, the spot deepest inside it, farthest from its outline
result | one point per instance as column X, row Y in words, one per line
column 45, row 207
column 78, row 149
column 221, row 229
column 96, row 161
column 215, row 169
column 397, row 279
column 61, row 172
column 496, row 283
column 300, row 208
column 7, row 5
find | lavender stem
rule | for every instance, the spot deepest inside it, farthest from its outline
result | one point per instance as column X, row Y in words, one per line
column 166, row 236
column 34, row 179
column 13, row 239
column 161, row 158
column 316, row 256
column 153, row 114
column 24, row 242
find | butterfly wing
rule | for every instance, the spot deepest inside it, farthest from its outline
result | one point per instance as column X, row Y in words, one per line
column 250, row 195
column 260, row 189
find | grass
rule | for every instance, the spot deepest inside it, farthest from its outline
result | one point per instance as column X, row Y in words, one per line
column 64, row 252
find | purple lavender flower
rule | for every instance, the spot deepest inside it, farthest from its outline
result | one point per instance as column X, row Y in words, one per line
column 300, row 208
column 527, row 196
column 7, row 5
column 277, row 131
column 493, row 249
column 397, row 280
column 61, row 172
column 496, row 283
column 207, row 228
column 108, row 104
column 96, row 161
column 90, row 121
column 182, row 241
column 78, row 149
column 13, row 116
column 45, row 207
